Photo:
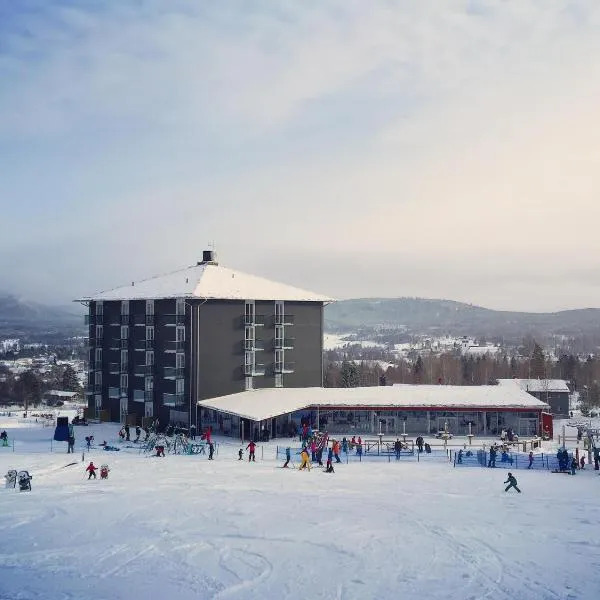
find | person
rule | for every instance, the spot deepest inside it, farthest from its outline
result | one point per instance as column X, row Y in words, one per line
column 492, row 461
column 329, row 468
column 345, row 446
column 71, row 445
column 287, row 457
column 252, row 447
column 397, row 448
column 512, row 483
column 211, row 450
column 336, row 451
column 91, row 469
column 459, row 456
column 127, row 433
column 208, row 434
column 530, row 460
column 313, row 450
column 359, row 449
column 192, row 431
column 419, row 442
column 104, row 470
column 122, row 433
column 329, row 457
column 582, row 462
column 359, row 441
column 147, row 433
column 320, row 456
column 160, row 450
column 573, row 465
column 352, row 442
column 305, row 459
column 427, row 448
column 138, row 432
column 240, row 454
column 4, row 438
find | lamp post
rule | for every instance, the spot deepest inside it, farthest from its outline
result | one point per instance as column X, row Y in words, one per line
column 404, row 430
column 470, row 436
column 445, row 435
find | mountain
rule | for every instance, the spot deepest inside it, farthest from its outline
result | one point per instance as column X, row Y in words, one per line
column 419, row 315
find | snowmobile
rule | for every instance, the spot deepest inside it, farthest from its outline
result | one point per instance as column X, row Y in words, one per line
column 24, row 479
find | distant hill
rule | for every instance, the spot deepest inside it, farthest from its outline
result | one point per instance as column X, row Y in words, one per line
column 419, row 315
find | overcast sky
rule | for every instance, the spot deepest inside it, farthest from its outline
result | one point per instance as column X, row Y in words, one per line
column 443, row 148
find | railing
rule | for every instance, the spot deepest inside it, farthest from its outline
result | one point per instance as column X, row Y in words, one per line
column 174, row 319
column 257, row 345
column 254, row 370
column 144, row 344
column 173, row 399
column 114, row 392
column 286, row 367
column 143, row 319
column 258, row 320
column 144, row 370
column 284, row 344
column 175, row 346
column 284, row 319
column 173, row 372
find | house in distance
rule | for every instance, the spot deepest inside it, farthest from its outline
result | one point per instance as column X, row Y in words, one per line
column 158, row 346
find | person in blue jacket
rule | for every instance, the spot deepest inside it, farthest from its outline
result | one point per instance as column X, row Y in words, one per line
column 512, row 483
column 287, row 457
column 329, row 457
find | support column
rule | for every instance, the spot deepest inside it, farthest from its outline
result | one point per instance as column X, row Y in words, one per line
column 484, row 413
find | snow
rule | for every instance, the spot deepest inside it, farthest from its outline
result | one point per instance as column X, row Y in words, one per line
column 538, row 385
column 260, row 404
column 208, row 281
column 188, row 528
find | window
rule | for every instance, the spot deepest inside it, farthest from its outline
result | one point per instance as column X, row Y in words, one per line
column 179, row 386
column 278, row 336
column 124, row 307
column 124, row 358
column 124, row 381
column 248, row 383
column 249, row 311
column 99, row 308
column 149, row 307
column 150, row 332
column 98, row 401
column 150, row 357
column 249, row 360
column 124, row 332
column 278, row 311
column 278, row 380
column 180, row 334
column 180, row 306
column 98, row 355
column 99, row 332
column 278, row 359
column 98, row 377
column 149, row 384
column 249, row 334
column 180, row 360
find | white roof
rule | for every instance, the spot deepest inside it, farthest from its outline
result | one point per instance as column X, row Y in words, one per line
column 61, row 393
column 261, row 404
column 208, row 281
column 538, row 385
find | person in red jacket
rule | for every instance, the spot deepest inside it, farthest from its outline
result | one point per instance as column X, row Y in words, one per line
column 91, row 470
column 252, row 447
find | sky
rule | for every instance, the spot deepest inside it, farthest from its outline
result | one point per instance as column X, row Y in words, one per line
column 445, row 149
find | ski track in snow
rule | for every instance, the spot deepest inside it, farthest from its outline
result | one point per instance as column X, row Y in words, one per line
column 227, row 530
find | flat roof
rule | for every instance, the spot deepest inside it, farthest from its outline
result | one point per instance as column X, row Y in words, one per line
column 261, row 404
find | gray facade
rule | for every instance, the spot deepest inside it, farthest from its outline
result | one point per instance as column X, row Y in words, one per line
column 157, row 358
column 558, row 401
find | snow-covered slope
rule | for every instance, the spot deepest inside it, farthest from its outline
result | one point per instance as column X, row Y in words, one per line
column 188, row 528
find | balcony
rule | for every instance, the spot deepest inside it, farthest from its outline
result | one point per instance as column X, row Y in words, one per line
column 284, row 367
column 284, row 344
column 144, row 344
column 125, row 319
column 96, row 365
column 174, row 319
column 284, row 319
column 254, row 370
column 97, row 388
column 124, row 392
column 119, row 344
column 144, row 320
column 116, row 368
column 257, row 320
column 173, row 372
column 114, row 393
column 174, row 346
column 257, row 345
column 173, row 399
column 143, row 396
column 144, row 370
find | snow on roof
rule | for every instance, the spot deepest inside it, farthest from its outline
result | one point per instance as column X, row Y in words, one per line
column 538, row 385
column 261, row 404
column 61, row 393
column 208, row 281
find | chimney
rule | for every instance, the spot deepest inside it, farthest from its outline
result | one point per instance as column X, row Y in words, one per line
column 208, row 258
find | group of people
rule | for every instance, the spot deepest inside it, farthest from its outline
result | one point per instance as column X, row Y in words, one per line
column 125, row 433
column 92, row 468
column 568, row 463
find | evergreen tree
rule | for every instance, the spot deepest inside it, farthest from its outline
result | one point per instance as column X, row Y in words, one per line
column 70, row 383
column 349, row 375
column 537, row 363
column 418, row 370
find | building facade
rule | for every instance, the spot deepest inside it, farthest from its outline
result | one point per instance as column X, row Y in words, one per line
column 160, row 345
column 555, row 392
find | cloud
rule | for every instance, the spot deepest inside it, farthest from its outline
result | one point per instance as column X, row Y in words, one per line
column 461, row 140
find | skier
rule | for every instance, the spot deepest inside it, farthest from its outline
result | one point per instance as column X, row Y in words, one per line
column 252, row 447
column 329, row 459
column 397, row 448
column 512, row 483
column 287, row 457
column 329, row 468
column 582, row 462
column 88, row 441
column 359, row 450
column 193, row 431
column 352, row 442
column 573, row 465
column 530, row 460
column 305, row 460
column 492, row 461
column 359, row 442
column 345, row 446
column 138, row 432
column 71, row 445
column 147, row 434
column 104, row 470
column 211, row 450
column 160, row 451
column 460, row 455
column 336, row 451
column 91, row 469
column 419, row 442
column 127, row 438
column 240, row 454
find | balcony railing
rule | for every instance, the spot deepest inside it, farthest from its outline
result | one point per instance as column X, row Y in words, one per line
column 285, row 367
column 143, row 319
column 144, row 370
column 254, row 370
column 257, row 345
column 284, row 344
column 144, row 344
column 114, row 392
column 284, row 319
column 173, row 399
column 174, row 346
column 174, row 319
column 124, row 391
column 258, row 320
column 116, row 368
column 173, row 372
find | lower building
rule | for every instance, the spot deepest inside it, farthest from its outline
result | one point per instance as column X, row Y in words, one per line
column 390, row 410
column 555, row 392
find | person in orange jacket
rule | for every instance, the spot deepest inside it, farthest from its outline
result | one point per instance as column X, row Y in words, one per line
column 91, row 469
column 336, row 451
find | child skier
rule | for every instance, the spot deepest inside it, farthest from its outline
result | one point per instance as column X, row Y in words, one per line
column 91, row 469
column 530, row 460
column 512, row 483
column 305, row 460
column 211, row 450
column 287, row 457
column 252, row 447
column 329, row 459
column 104, row 470
column 582, row 462
column 240, row 454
